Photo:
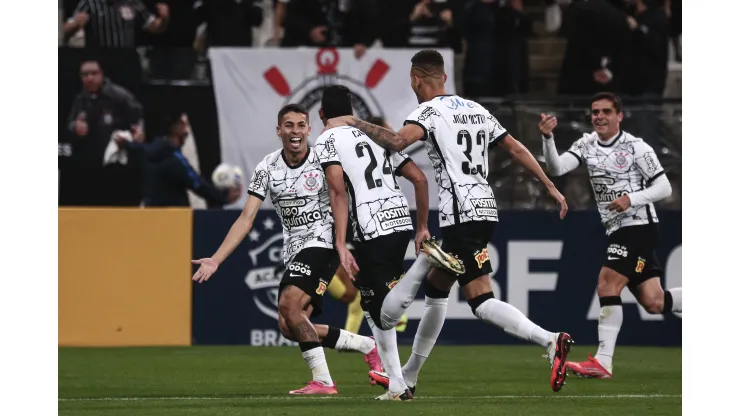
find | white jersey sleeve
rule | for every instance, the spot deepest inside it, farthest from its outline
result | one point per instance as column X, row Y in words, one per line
column 327, row 151
column 423, row 117
column 399, row 160
column 496, row 131
column 647, row 161
column 258, row 185
column 576, row 149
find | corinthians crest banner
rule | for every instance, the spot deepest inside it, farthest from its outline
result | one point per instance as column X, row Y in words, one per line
column 252, row 84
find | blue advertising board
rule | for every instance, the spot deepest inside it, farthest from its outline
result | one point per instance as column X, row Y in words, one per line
column 545, row 267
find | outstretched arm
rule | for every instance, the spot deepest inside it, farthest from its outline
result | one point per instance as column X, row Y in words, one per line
column 557, row 164
column 522, row 155
column 236, row 234
column 408, row 135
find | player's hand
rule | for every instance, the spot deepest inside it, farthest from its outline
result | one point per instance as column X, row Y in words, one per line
column 421, row 235
column 208, row 266
column 337, row 122
column 420, row 10
column 446, row 16
column 318, row 34
column 547, row 124
column 348, row 262
column 620, row 204
column 559, row 198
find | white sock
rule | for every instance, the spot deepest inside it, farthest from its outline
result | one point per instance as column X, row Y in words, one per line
column 388, row 351
column 676, row 293
column 403, row 293
column 513, row 321
column 610, row 321
column 435, row 311
column 317, row 363
column 352, row 342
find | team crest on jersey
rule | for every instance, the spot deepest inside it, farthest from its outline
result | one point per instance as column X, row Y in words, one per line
column 481, row 256
column 621, row 160
column 321, row 289
column 640, row 264
column 312, row 182
column 310, row 90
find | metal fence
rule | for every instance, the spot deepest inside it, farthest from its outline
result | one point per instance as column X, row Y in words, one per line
column 657, row 121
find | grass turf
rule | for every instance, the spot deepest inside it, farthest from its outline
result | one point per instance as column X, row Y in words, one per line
column 492, row 380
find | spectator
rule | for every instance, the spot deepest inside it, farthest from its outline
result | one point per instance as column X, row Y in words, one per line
column 169, row 175
column 229, row 22
column 349, row 23
column 172, row 55
column 100, row 109
column 512, row 30
column 113, row 23
column 647, row 68
column 420, row 24
column 477, row 25
column 596, row 50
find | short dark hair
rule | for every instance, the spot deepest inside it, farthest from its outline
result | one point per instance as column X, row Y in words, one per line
column 292, row 108
column 428, row 60
column 336, row 101
column 609, row 96
column 377, row 120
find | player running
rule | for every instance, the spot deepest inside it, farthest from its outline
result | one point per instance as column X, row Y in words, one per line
column 293, row 178
column 457, row 133
column 627, row 179
column 381, row 222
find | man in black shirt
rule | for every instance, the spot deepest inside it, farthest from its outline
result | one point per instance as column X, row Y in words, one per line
column 113, row 23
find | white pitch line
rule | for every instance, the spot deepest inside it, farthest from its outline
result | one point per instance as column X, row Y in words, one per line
column 571, row 397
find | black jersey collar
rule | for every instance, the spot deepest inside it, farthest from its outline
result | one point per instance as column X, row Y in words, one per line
column 612, row 142
column 305, row 158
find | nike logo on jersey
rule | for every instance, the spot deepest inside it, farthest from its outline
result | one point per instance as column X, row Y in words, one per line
column 295, row 275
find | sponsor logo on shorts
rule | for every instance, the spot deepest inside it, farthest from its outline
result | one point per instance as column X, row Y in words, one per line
column 640, row 264
column 366, row 293
column 321, row 289
column 617, row 249
column 394, row 218
column 481, row 256
column 299, row 267
column 392, row 284
column 484, row 207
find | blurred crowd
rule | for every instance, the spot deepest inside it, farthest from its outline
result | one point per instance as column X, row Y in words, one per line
column 618, row 45
column 622, row 46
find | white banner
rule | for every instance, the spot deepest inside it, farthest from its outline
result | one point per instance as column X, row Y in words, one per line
column 251, row 85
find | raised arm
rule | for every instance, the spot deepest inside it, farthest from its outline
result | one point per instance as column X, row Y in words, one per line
column 522, row 155
column 557, row 164
column 410, row 171
column 236, row 234
column 408, row 135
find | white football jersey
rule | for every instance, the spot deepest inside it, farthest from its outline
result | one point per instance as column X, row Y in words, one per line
column 457, row 134
column 624, row 166
column 301, row 198
column 377, row 205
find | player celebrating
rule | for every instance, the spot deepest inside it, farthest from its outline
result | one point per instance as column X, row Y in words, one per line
column 627, row 179
column 296, row 184
column 457, row 134
column 380, row 219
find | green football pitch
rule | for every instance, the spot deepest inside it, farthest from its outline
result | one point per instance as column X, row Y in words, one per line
column 490, row 380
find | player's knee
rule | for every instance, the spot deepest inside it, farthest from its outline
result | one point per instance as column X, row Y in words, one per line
column 432, row 289
column 284, row 330
column 609, row 284
column 349, row 295
column 654, row 305
column 479, row 300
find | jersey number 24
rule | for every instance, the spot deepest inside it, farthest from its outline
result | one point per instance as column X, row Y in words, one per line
column 370, row 180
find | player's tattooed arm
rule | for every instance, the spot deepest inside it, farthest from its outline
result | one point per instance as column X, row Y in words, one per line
column 389, row 139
